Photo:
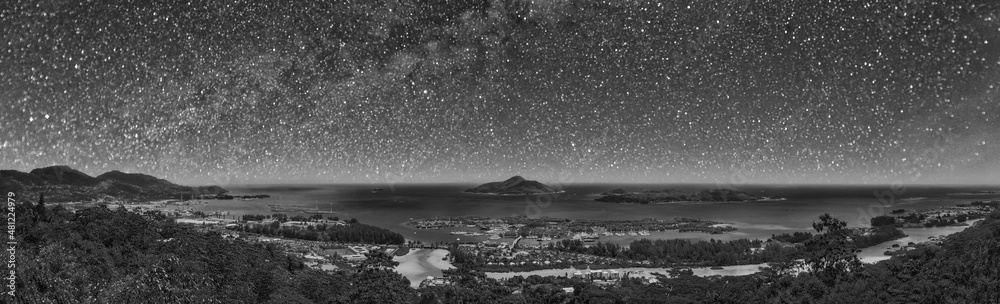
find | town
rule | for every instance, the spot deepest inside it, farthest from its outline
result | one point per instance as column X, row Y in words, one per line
column 547, row 228
column 944, row 216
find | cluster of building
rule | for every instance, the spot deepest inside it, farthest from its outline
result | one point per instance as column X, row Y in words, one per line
column 944, row 215
column 598, row 275
column 431, row 281
column 509, row 254
column 299, row 224
column 546, row 229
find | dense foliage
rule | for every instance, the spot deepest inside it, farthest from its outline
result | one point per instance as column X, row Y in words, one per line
column 99, row 255
column 114, row 256
column 673, row 252
column 883, row 220
column 796, row 237
column 351, row 232
column 876, row 236
column 676, row 252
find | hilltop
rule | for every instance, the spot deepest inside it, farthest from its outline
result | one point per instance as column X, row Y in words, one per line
column 62, row 183
column 514, row 186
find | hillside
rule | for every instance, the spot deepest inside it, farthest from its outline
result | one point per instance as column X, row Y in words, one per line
column 92, row 254
column 62, row 184
column 514, row 186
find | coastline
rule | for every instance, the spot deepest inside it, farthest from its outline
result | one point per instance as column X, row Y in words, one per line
column 418, row 264
column 876, row 253
column 867, row 255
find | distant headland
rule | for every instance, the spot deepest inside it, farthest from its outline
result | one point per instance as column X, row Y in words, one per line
column 514, row 186
column 65, row 184
column 670, row 195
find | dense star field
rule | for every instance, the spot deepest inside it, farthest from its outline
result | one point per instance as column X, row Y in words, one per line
column 561, row 91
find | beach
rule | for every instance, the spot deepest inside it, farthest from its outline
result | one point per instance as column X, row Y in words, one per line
column 916, row 235
column 418, row 264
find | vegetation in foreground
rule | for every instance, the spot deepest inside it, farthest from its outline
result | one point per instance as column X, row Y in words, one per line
column 350, row 231
column 99, row 255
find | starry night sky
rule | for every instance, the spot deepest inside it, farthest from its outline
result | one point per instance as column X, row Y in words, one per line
column 229, row 92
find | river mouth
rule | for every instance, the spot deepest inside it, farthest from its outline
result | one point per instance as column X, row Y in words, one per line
column 418, row 264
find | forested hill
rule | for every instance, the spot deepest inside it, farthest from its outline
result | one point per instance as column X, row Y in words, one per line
column 114, row 256
column 99, row 255
column 514, row 186
column 62, row 184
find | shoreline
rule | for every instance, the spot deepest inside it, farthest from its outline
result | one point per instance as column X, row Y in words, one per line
column 418, row 264
column 868, row 255
column 876, row 253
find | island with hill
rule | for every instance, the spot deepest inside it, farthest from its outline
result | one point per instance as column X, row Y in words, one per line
column 670, row 196
column 65, row 184
column 514, row 186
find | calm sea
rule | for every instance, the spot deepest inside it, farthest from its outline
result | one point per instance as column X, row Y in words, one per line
column 395, row 205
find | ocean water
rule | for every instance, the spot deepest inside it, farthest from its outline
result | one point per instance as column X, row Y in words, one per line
column 397, row 204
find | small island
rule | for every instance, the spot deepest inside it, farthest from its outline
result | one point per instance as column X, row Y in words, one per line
column 670, row 196
column 514, row 186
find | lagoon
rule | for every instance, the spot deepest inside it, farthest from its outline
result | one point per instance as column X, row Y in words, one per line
column 419, row 264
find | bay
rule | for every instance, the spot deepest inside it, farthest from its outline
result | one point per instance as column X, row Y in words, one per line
column 393, row 206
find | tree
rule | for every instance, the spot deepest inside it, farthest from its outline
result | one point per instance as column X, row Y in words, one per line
column 377, row 282
column 831, row 256
column 378, row 260
column 40, row 209
column 883, row 220
column 828, row 224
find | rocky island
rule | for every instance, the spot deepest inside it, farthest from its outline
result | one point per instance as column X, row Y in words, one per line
column 65, row 184
column 514, row 186
column 670, row 195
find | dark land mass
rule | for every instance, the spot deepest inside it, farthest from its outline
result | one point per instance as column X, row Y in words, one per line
column 666, row 196
column 64, row 184
column 514, row 186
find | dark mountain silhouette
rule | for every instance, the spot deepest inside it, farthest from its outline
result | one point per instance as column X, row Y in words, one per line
column 64, row 175
column 512, row 186
column 62, row 183
column 137, row 179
